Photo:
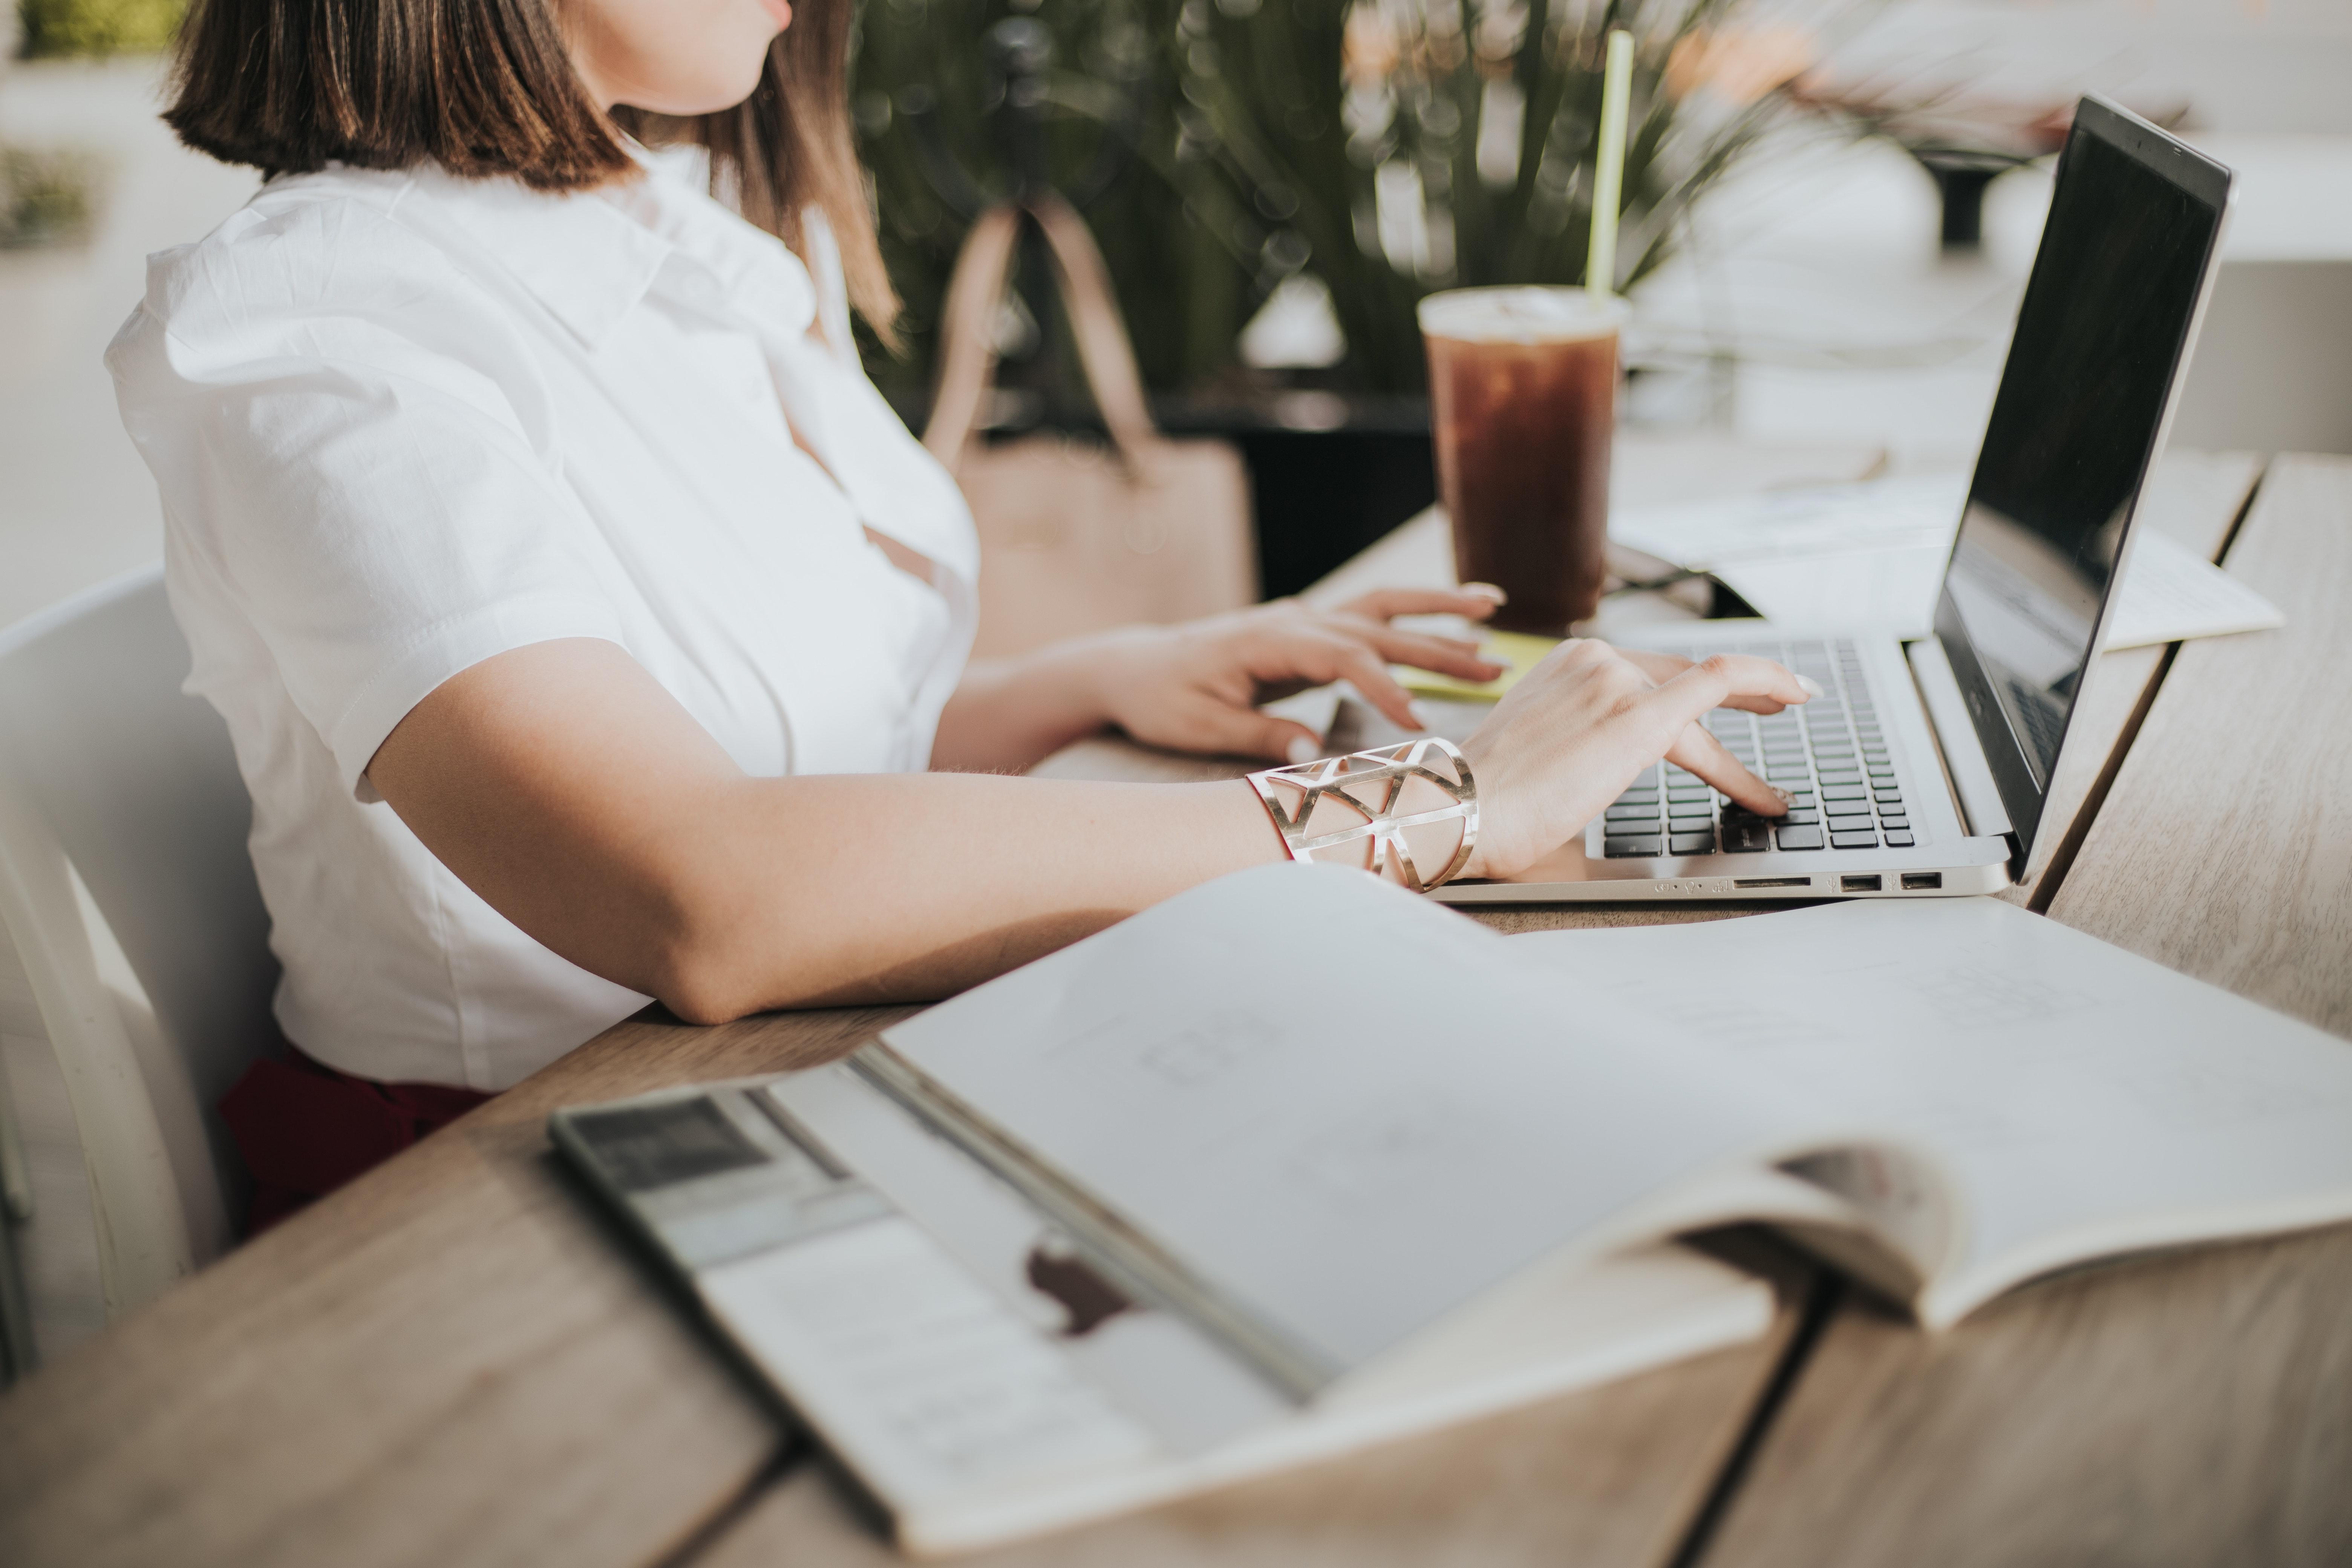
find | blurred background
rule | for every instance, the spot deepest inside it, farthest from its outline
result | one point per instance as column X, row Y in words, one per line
column 1830, row 205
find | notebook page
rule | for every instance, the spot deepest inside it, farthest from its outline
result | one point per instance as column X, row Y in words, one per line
column 1338, row 1103
column 2087, row 1101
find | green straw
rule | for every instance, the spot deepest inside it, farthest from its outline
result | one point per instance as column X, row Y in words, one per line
column 1609, row 165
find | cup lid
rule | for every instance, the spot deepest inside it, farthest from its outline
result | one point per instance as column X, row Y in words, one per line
column 1522, row 314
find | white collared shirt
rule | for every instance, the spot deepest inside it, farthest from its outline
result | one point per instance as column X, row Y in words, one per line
column 403, row 421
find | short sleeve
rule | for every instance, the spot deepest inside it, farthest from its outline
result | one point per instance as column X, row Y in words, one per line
column 352, row 441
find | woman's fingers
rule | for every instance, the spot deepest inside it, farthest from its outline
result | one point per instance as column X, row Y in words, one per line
column 1704, row 755
column 1319, row 654
column 1659, row 667
column 1665, row 667
column 1476, row 600
column 1718, row 681
column 1369, row 674
column 1446, row 655
column 1208, row 725
column 1726, row 679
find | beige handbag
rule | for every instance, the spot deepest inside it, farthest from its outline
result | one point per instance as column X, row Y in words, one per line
column 1074, row 537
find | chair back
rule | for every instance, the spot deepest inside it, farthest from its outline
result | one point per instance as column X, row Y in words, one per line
column 128, row 892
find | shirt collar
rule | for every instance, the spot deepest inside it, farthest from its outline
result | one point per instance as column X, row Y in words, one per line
column 591, row 255
column 584, row 259
column 751, row 275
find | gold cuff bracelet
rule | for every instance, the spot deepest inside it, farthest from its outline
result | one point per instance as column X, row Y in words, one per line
column 1370, row 784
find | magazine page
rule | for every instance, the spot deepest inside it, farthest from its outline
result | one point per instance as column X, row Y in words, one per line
column 1339, row 1107
column 2087, row 1100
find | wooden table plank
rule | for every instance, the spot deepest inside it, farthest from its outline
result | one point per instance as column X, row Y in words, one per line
column 451, row 1360
column 2186, row 1408
column 2225, row 848
column 2193, row 1409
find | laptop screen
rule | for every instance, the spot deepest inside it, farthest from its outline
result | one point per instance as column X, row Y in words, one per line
column 2104, row 325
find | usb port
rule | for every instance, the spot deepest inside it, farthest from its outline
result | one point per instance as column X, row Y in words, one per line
column 1918, row 881
column 1771, row 882
column 1861, row 884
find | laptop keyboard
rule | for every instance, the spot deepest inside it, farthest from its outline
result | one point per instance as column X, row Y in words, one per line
column 1830, row 754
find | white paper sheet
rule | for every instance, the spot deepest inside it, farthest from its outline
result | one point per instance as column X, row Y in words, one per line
column 1873, row 556
column 2087, row 1101
column 1327, row 1099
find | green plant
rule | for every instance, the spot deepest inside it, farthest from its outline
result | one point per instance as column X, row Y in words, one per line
column 98, row 27
column 935, row 131
column 1390, row 147
column 46, row 198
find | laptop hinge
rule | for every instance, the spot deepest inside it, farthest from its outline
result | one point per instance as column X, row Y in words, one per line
column 1965, row 768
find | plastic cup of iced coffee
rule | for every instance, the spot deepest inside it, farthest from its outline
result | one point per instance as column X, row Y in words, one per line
column 1523, row 398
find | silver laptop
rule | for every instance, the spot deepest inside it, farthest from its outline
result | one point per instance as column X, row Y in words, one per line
column 1924, row 768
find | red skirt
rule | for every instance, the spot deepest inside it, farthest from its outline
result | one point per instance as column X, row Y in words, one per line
column 305, row 1129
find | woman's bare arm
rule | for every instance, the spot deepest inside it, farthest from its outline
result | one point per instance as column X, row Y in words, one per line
column 563, row 784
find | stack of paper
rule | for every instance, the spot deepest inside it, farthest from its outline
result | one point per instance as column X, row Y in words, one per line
column 1873, row 555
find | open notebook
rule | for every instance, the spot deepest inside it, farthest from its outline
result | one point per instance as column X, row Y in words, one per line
column 1296, row 1162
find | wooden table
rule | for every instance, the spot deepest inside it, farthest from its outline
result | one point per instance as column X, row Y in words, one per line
column 453, row 1360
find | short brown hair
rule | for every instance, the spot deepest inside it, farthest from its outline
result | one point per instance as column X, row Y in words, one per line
column 485, row 88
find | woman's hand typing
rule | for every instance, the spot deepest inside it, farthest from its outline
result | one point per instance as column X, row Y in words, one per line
column 1574, row 732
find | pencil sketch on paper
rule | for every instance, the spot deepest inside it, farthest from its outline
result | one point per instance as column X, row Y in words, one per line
column 1209, row 1048
column 1972, row 997
column 1391, row 1147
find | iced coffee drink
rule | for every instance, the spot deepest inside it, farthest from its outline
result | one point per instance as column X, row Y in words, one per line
column 1523, row 397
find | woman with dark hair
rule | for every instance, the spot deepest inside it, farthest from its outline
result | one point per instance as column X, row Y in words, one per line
column 590, row 630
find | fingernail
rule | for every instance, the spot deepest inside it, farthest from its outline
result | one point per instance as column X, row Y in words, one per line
column 1486, row 591
column 1302, row 751
column 1812, row 688
column 1787, row 800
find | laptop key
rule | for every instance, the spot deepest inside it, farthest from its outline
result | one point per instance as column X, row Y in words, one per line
column 1629, row 848
column 1898, row 841
column 1691, row 843
column 1801, row 838
column 1896, row 823
column 1746, row 839
column 1854, row 840
column 1843, row 792
column 1631, row 815
column 1800, row 818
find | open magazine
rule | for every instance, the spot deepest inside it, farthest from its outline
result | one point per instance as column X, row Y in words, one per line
column 1296, row 1162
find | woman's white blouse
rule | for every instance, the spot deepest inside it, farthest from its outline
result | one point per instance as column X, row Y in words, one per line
column 403, row 422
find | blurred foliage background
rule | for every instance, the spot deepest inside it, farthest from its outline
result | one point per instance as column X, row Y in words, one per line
column 53, row 27
column 46, row 195
column 1381, row 148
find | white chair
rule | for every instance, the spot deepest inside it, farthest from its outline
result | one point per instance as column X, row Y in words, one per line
column 126, row 890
